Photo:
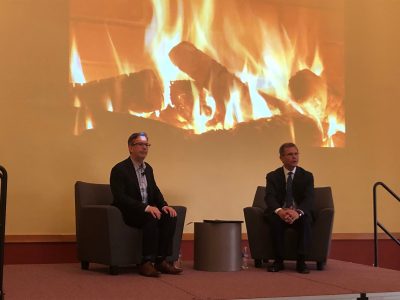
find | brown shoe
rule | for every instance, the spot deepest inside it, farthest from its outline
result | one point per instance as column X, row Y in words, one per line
column 147, row 269
column 166, row 268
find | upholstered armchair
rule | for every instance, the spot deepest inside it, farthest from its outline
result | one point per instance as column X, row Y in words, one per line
column 103, row 237
column 259, row 235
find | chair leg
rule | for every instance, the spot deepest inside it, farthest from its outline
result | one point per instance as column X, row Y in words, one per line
column 114, row 270
column 320, row 265
column 84, row 265
column 258, row 263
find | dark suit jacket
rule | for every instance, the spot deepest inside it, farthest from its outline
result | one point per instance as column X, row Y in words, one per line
column 127, row 197
column 303, row 190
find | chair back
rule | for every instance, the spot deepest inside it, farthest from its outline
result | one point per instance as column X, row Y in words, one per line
column 259, row 198
column 322, row 198
column 92, row 194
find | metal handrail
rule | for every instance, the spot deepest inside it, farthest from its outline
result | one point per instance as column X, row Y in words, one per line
column 3, row 202
column 376, row 222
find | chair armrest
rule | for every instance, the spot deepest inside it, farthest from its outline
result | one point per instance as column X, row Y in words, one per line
column 94, row 222
column 322, row 233
column 103, row 224
column 257, row 231
column 180, row 210
column 253, row 216
column 323, row 224
column 100, row 215
column 103, row 235
column 180, row 223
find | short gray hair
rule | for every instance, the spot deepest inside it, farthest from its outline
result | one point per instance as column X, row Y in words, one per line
column 134, row 136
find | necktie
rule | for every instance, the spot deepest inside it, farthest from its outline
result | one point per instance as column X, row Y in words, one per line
column 289, row 191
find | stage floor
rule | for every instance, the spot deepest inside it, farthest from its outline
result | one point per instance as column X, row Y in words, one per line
column 340, row 280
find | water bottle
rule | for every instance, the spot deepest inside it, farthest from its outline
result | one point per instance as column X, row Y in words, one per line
column 178, row 262
column 245, row 258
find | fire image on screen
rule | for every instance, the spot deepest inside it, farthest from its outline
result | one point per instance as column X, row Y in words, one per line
column 211, row 66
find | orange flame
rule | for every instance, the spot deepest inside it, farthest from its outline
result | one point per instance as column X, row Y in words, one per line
column 159, row 43
column 109, row 105
column 334, row 128
column 76, row 71
column 77, row 102
column 89, row 123
column 200, row 117
column 200, row 27
column 123, row 67
column 259, row 105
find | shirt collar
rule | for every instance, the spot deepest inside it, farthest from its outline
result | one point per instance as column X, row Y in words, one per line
column 287, row 171
column 138, row 166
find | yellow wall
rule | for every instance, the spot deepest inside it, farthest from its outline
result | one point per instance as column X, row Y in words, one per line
column 214, row 175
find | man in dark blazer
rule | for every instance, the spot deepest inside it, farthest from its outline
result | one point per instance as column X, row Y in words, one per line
column 289, row 197
column 143, row 206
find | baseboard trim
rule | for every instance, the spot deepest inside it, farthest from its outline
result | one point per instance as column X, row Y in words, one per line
column 44, row 238
column 71, row 238
column 363, row 236
column 44, row 249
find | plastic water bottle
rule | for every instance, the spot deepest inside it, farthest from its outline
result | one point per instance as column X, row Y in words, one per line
column 245, row 258
column 178, row 262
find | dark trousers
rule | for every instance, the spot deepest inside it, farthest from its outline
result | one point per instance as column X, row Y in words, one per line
column 158, row 236
column 278, row 228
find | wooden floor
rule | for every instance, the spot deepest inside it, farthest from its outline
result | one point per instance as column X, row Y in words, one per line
column 340, row 280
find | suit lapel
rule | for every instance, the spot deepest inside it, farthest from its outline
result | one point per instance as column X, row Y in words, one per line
column 297, row 179
column 282, row 179
column 147, row 174
column 298, row 175
column 132, row 173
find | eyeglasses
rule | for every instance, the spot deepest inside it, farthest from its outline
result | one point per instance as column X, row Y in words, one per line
column 142, row 144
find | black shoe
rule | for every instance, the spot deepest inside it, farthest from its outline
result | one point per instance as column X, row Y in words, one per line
column 276, row 266
column 301, row 267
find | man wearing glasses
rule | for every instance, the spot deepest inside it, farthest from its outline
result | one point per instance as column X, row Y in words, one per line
column 143, row 206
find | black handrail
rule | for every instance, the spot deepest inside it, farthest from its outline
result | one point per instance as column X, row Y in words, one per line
column 376, row 222
column 3, row 202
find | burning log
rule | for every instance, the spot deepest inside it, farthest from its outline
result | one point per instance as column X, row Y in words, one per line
column 137, row 92
column 201, row 67
column 305, row 85
column 317, row 99
column 211, row 75
column 182, row 97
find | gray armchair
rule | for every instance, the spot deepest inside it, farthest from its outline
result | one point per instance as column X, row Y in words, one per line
column 103, row 237
column 259, row 235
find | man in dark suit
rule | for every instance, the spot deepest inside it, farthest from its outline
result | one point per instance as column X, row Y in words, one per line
column 143, row 206
column 289, row 198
